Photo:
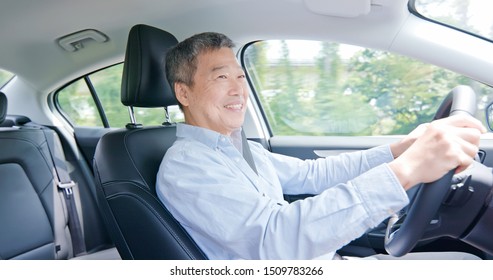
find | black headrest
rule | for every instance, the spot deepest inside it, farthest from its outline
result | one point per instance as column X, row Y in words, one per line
column 3, row 106
column 14, row 120
column 144, row 82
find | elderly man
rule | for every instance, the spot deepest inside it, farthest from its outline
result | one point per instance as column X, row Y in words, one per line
column 235, row 212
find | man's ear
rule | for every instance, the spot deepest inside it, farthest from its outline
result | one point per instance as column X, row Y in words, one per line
column 181, row 92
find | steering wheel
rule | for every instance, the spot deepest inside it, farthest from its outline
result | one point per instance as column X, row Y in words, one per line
column 399, row 240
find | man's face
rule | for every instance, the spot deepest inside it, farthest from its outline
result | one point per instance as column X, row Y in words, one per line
column 218, row 98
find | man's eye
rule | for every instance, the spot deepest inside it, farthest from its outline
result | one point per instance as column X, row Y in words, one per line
column 222, row 77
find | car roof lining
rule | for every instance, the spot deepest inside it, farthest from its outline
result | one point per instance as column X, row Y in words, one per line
column 38, row 59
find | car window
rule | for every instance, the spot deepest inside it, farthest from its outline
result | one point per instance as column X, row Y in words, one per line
column 472, row 16
column 5, row 76
column 94, row 101
column 323, row 88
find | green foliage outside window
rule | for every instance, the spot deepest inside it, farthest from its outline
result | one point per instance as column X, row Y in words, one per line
column 5, row 76
column 344, row 90
column 78, row 105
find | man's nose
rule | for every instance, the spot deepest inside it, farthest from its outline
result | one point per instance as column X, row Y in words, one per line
column 237, row 87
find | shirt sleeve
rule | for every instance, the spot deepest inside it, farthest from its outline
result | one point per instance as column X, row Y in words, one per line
column 228, row 218
column 314, row 176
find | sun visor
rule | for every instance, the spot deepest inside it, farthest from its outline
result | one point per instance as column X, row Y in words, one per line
column 339, row 8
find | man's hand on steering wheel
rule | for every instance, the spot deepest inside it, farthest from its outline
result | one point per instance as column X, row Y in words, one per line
column 431, row 155
column 434, row 149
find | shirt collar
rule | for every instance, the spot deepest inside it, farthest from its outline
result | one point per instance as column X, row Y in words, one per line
column 208, row 137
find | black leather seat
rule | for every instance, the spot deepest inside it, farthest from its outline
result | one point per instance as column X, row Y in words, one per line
column 32, row 223
column 127, row 160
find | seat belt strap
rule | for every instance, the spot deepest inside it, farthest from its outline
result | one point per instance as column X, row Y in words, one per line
column 66, row 184
column 247, row 153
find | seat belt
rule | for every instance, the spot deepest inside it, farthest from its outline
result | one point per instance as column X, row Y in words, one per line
column 66, row 184
column 247, row 154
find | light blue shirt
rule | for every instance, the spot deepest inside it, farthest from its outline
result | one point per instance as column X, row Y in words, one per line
column 233, row 213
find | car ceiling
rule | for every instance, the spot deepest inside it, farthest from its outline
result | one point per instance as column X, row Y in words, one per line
column 31, row 28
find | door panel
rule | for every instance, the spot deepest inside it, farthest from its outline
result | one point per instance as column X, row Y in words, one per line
column 311, row 147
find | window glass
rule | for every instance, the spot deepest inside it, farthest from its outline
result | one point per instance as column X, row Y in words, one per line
column 5, row 76
column 320, row 88
column 473, row 16
column 80, row 107
column 107, row 84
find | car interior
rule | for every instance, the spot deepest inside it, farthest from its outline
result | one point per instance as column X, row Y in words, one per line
column 70, row 191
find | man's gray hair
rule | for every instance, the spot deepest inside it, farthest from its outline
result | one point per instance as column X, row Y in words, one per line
column 181, row 60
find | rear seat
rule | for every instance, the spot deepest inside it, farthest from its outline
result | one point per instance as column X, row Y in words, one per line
column 33, row 213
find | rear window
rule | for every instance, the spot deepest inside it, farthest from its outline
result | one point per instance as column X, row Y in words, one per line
column 5, row 76
column 94, row 101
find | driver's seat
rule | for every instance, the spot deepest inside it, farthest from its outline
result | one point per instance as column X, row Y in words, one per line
column 127, row 160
